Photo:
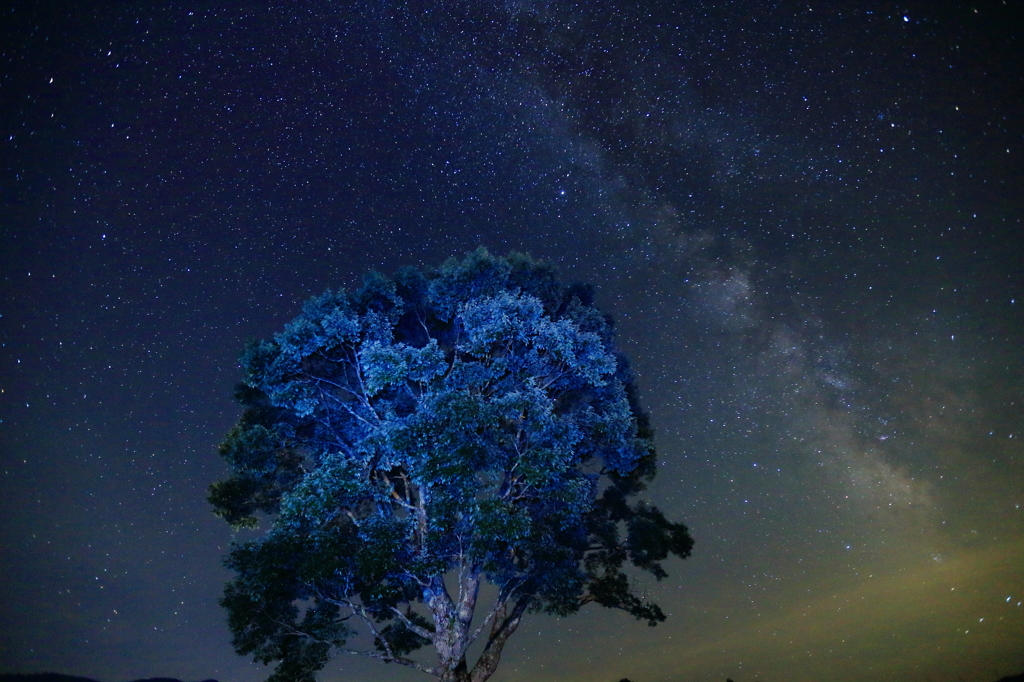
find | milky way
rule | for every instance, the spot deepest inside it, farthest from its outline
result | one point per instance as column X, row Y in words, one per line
column 805, row 220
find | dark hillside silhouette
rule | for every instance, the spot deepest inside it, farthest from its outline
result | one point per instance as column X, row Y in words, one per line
column 44, row 677
column 57, row 677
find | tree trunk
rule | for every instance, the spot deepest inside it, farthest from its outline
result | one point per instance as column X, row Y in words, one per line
column 452, row 621
column 459, row 673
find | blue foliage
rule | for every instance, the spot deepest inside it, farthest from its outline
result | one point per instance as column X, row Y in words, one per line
column 475, row 418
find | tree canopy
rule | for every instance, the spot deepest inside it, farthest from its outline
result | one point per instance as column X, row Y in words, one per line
column 410, row 440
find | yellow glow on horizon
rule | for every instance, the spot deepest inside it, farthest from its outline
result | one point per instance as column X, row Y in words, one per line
column 936, row 621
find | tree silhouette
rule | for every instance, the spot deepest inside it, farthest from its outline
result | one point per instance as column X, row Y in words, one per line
column 426, row 433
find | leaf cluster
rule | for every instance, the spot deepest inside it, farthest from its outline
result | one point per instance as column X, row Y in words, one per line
column 474, row 419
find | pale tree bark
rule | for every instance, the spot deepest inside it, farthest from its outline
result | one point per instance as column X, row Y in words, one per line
column 453, row 619
column 442, row 610
column 505, row 622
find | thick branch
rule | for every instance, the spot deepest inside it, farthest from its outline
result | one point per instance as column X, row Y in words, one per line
column 469, row 588
column 442, row 609
column 401, row 660
column 501, row 630
column 499, row 606
column 418, row 629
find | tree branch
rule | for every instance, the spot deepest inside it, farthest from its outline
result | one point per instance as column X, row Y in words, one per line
column 500, row 603
column 500, row 632
column 418, row 629
column 401, row 660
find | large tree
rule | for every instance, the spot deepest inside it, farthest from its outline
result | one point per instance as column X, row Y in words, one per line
column 410, row 440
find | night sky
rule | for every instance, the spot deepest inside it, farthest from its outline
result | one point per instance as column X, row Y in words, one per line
column 806, row 218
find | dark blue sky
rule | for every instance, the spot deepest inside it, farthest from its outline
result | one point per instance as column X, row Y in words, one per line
column 805, row 217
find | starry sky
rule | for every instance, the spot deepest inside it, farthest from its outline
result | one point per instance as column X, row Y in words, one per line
column 805, row 217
